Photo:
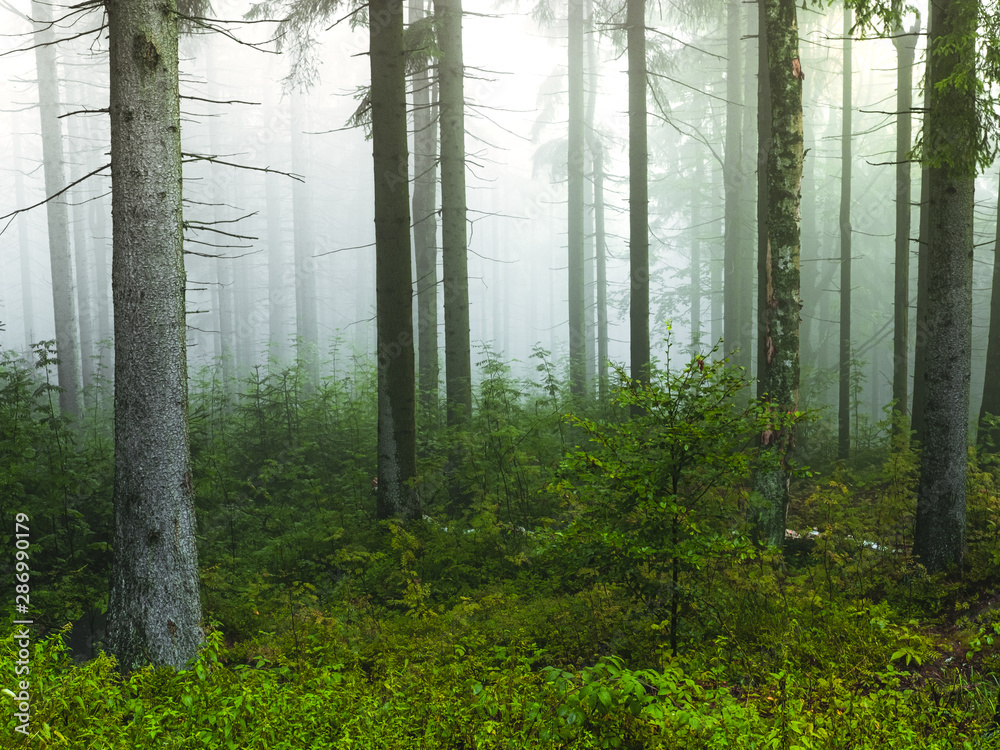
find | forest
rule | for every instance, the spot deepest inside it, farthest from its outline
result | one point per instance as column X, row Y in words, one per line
column 591, row 374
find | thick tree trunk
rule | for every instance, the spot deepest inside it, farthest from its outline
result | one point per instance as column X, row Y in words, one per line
column 425, row 229
column 991, row 384
column 638, row 188
column 454, row 250
column 575, row 211
column 155, row 608
column 778, row 266
column 905, row 50
column 397, row 452
column 60, row 254
column 951, row 136
column 844, row 401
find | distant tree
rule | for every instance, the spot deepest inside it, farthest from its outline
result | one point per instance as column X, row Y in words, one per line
column 155, row 609
column 397, row 457
column 60, row 252
column 846, row 231
column 951, row 141
column 307, row 325
column 780, row 175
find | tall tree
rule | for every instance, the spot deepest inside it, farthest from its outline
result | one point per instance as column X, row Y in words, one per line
column 60, row 253
column 921, row 338
column 24, row 244
column 307, row 326
column 425, row 225
column 575, row 211
column 638, row 191
column 780, row 175
column 733, row 322
column 397, row 452
column 905, row 51
column 454, row 237
column 155, row 608
column 951, row 138
column 991, row 385
column 846, row 231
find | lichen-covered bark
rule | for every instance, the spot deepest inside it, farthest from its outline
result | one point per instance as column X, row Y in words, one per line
column 454, row 236
column 779, row 307
column 155, row 608
column 397, row 457
column 950, row 140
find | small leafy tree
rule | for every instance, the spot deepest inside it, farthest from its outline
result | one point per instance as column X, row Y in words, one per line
column 659, row 494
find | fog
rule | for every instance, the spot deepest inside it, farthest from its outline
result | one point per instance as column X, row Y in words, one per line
column 241, row 284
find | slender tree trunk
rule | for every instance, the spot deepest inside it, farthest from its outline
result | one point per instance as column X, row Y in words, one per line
column 951, row 134
column 905, row 51
column 451, row 84
column 749, row 196
column 922, row 336
column 278, row 290
column 778, row 271
column 24, row 243
column 307, row 328
column 575, row 233
column 991, row 384
column 397, row 450
column 60, row 254
column 732, row 169
column 638, row 188
column 155, row 609
column 844, row 403
column 98, row 216
column 81, row 257
column 695, row 302
column 425, row 228
column 601, row 270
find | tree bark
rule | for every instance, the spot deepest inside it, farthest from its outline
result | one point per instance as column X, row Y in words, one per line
column 991, row 384
column 950, row 142
column 155, row 608
column 844, row 401
column 781, row 139
column 397, row 455
column 425, row 229
column 454, row 246
column 60, row 254
column 905, row 51
column 575, row 211
column 638, row 187
column 732, row 169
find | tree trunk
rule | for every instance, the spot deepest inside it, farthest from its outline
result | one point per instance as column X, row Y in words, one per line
column 919, row 397
column 278, row 290
column 732, row 169
column 991, row 384
column 397, row 454
column 307, row 329
column 951, row 136
column 425, row 229
column 601, row 269
column 575, row 211
column 844, row 402
column 905, row 50
column 24, row 244
column 155, row 608
column 780, row 134
column 60, row 254
column 695, row 302
column 454, row 250
column 638, row 188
